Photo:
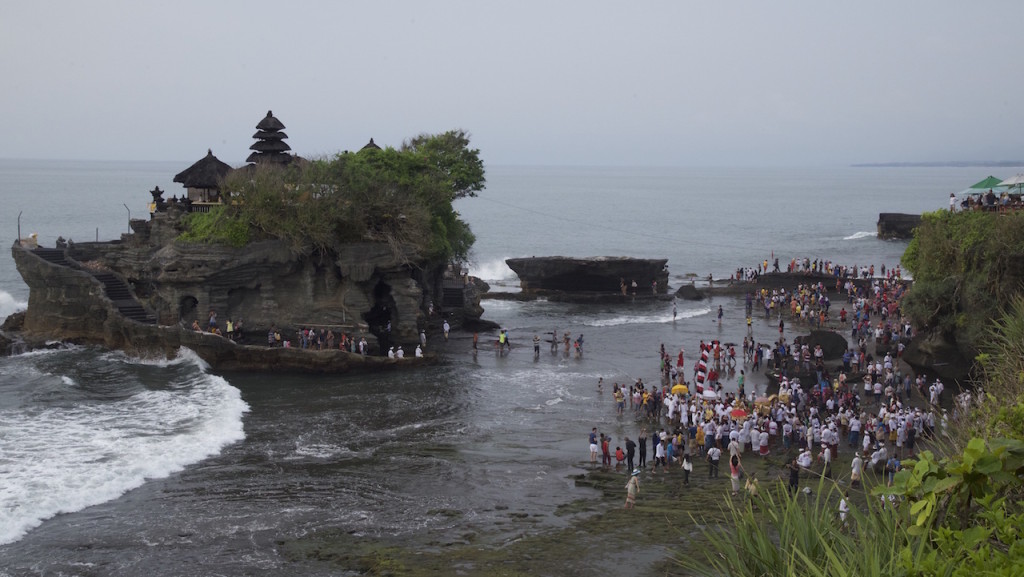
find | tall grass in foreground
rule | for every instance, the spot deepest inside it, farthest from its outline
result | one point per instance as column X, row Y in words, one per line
column 779, row 534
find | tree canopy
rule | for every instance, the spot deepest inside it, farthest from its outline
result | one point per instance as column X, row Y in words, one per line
column 402, row 197
column 966, row 266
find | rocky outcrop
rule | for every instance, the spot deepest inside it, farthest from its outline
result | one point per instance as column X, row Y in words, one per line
column 360, row 289
column 934, row 353
column 688, row 292
column 894, row 225
column 833, row 344
column 70, row 305
column 603, row 274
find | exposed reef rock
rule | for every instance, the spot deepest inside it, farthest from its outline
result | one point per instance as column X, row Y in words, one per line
column 142, row 294
column 833, row 344
column 689, row 292
column 894, row 225
column 604, row 274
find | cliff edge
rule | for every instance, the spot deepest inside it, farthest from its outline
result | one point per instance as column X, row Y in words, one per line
column 143, row 293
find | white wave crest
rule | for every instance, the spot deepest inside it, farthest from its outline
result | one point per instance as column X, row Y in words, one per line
column 645, row 319
column 9, row 305
column 861, row 234
column 492, row 270
column 66, row 458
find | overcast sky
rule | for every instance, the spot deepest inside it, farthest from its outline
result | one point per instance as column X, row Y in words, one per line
column 557, row 83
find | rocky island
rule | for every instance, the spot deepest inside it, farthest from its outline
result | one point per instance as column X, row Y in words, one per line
column 895, row 225
column 585, row 279
column 279, row 245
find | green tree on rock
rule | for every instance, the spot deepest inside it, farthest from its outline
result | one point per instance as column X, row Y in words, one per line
column 400, row 197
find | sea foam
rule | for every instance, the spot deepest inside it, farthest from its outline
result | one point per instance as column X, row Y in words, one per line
column 64, row 458
column 492, row 270
column 9, row 305
column 861, row 234
column 645, row 319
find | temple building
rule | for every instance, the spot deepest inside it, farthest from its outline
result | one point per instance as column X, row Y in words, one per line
column 270, row 145
column 202, row 180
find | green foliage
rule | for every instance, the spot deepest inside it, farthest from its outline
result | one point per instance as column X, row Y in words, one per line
column 401, row 197
column 796, row 535
column 1002, row 367
column 962, row 516
column 214, row 227
column 449, row 155
column 959, row 517
column 964, row 265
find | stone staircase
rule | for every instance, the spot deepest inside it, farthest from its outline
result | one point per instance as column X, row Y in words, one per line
column 115, row 288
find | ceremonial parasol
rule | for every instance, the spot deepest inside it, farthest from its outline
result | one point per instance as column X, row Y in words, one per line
column 680, row 389
column 738, row 413
column 709, row 394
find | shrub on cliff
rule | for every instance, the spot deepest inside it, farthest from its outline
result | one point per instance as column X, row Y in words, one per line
column 966, row 266
column 399, row 196
column 215, row 227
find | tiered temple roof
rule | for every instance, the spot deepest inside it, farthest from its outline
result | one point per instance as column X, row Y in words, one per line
column 270, row 145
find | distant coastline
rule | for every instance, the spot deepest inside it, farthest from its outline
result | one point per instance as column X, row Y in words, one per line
column 949, row 163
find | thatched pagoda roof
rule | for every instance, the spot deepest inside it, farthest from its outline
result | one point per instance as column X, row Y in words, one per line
column 269, row 135
column 207, row 172
column 371, row 145
column 270, row 146
column 270, row 123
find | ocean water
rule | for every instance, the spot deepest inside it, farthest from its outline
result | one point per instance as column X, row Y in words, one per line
column 111, row 465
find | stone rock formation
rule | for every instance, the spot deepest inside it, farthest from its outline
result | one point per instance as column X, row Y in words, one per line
column 833, row 344
column 689, row 292
column 934, row 353
column 363, row 289
column 894, row 225
column 604, row 274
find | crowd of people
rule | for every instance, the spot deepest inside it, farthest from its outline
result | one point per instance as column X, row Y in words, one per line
column 877, row 424
column 318, row 339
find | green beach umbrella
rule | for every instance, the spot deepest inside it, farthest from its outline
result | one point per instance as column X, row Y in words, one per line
column 990, row 182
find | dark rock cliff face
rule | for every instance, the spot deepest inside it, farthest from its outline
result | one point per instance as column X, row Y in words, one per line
column 935, row 353
column 359, row 291
column 596, row 274
column 894, row 225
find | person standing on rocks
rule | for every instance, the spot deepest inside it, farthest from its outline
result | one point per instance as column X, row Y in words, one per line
column 630, row 452
column 794, row 476
column 632, row 488
column 446, row 327
column 714, row 455
column 643, row 448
